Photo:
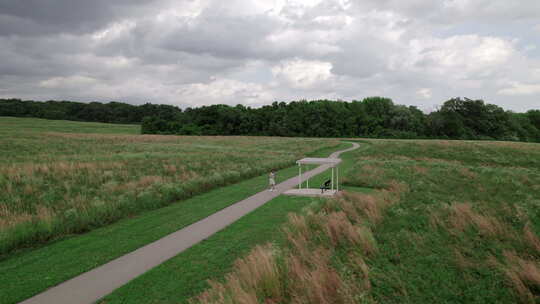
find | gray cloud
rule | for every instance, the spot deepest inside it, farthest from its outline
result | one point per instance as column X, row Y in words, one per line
column 195, row 52
column 39, row 17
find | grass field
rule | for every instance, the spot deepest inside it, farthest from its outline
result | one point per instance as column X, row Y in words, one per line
column 62, row 178
column 186, row 274
column 32, row 270
column 467, row 229
column 13, row 126
column 447, row 221
column 451, row 222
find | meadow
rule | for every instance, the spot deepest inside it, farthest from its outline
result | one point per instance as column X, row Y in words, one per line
column 447, row 222
column 419, row 221
column 61, row 178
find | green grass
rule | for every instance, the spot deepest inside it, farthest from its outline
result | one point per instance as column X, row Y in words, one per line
column 185, row 275
column 418, row 260
column 31, row 271
column 11, row 125
column 459, row 223
column 60, row 183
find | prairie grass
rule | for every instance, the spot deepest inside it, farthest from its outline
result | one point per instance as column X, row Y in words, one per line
column 527, row 271
column 473, row 209
column 462, row 216
column 322, row 261
column 59, row 183
column 532, row 239
column 465, row 230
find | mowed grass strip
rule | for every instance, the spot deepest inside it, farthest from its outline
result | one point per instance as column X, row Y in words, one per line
column 58, row 183
column 10, row 125
column 185, row 275
column 31, row 271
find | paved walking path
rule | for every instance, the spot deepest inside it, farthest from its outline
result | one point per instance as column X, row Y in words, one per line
column 92, row 285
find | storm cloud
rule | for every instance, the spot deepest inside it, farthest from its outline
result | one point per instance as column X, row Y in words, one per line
column 196, row 52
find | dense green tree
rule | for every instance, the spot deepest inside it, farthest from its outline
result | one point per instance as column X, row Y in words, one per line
column 458, row 118
column 534, row 117
column 112, row 112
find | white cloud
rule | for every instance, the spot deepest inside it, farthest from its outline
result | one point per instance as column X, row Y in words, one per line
column 113, row 31
column 469, row 53
column 334, row 22
column 75, row 81
column 518, row 89
column 456, row 4
column 425, row 93
column 302, row 73
column 224, row 91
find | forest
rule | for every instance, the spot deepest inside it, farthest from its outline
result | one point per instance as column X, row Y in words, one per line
column 376, row 117
column 112, row 112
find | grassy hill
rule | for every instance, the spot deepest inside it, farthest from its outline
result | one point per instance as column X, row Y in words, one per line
column 60, row 177
column 420, row 221
column 450, row 222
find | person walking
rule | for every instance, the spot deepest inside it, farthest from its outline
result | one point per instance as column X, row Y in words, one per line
column 272, row 180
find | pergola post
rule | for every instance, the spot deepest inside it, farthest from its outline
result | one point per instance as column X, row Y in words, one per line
column 337, row 178
column 332, row 178
column 307, row 183
column 300, row 176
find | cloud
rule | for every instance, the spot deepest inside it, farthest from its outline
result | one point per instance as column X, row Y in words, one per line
column 466, row 55
column 303, row 74
column 76, row 81
column 425, row 93
column 39, row 17
column 517, row 89
column 224, row 91
column 195, row 52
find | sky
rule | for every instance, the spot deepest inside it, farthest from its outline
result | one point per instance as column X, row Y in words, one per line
column 199, row 52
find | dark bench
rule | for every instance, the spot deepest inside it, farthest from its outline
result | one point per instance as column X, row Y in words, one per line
column 326, row 185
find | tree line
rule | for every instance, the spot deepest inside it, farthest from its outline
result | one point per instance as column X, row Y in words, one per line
column 112, row 112
column 457, row 118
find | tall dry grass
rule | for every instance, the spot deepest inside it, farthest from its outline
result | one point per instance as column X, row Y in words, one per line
column 462, row 216
column 521, row 269
column 89, row 180
column 319, row 245
column 531, row 239
column 522, row 274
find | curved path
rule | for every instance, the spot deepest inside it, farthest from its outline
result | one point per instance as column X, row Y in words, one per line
column 99, row 282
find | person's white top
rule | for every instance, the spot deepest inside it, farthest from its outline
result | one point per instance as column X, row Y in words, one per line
column 272, row 178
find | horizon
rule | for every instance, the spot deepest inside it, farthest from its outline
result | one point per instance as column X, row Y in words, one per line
column 435, row 107
column 203, row 52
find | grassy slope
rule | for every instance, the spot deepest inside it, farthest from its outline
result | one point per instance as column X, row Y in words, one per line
column 428, row 251
column 454, row 222
column 32, row 271
column 186, row 274
column 58, row 184
column 9, row 124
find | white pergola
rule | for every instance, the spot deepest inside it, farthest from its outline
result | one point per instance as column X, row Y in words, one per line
column 332, row 163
